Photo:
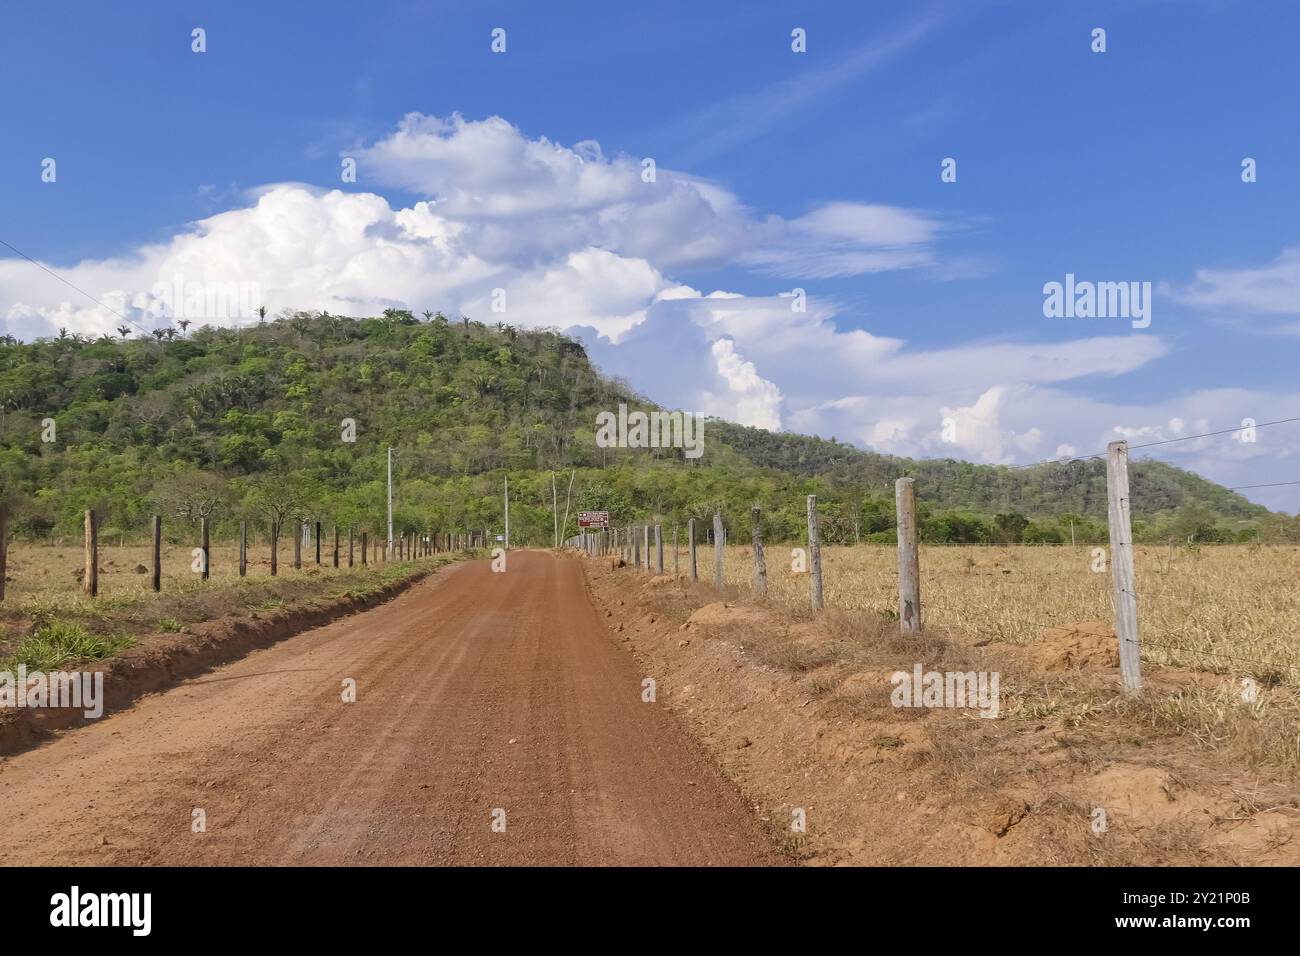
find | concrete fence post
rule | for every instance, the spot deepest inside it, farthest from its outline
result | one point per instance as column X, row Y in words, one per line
column 909, row 564
column 814, row 557
column 719, row 578
column 1121, row 565
column 759, row 581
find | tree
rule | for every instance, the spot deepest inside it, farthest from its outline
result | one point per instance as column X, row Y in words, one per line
column 192, row 494
column 1009, row 528
column 277, row 498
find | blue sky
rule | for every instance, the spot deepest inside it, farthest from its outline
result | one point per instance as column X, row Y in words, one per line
column 819, row 170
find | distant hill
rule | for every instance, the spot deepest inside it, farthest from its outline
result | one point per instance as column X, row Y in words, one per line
column 254, row 423
column 1075, row 486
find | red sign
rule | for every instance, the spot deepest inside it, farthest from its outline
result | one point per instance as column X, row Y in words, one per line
column 593, row 519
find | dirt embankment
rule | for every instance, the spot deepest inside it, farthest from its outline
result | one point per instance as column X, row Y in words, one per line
column 798, row 713
column 159, row 661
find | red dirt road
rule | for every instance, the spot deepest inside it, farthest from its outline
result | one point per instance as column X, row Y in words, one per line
column 475, row 691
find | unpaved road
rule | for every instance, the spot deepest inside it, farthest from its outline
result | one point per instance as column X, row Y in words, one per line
column 475, row 691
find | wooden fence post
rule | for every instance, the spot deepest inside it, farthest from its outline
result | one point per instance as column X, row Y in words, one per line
column 336, row 546
column 718, row 577
column 205, row 542
column 814, row 556
column 351, row 546
column 1121, row 565
column 363, row 549
column 155, row 539
column 659, row 551
column 275, row 546
column 297, row 545
column 243, row 548
column 760, row 565
column 690, row 544
column 317, row 544
column 677, row 555
column 909, row 563
column 4, row 546
column 90, row 577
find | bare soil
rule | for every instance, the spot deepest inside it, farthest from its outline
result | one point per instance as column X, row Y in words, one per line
column 475, row 692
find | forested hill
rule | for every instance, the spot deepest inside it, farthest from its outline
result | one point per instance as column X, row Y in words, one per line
column 1073, row 486
column 292, row 418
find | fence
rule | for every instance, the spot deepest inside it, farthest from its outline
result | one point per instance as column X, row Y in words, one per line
column 625, row 544
column 408, row 546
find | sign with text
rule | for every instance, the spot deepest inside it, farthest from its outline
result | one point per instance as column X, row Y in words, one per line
column 593, row 519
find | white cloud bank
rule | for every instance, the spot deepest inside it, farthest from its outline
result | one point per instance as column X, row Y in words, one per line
column 580, row 240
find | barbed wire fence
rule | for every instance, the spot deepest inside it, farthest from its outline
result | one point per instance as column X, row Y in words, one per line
column 624, row 545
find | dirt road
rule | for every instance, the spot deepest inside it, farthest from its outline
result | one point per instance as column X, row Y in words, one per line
column 476, row 691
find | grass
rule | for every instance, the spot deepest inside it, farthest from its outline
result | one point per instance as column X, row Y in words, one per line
column 55, row 645
column 45, row 610
column 1212, row 615
column 1226, row 609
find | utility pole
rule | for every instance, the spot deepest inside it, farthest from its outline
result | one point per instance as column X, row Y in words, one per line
column 389, row 545
column 507, row 535
column 568, row 495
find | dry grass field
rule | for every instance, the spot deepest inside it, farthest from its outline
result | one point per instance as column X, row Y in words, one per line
column 46, row 617
column 1227, row 608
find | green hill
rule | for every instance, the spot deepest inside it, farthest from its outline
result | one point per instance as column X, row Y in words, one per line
column 254, row 423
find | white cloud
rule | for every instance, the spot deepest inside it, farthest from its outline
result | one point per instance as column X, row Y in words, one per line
column 571, row 235
column 577, row 240
column 749, row 398
column 1272, row 289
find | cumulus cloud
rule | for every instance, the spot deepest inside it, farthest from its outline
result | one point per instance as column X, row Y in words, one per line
column 749, row 398
column 570, row 235
column 567, row 236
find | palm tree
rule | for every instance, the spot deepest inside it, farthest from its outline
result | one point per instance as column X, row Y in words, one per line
column 184, row 324
column 428, row 316
column 483, row 384
column 124, row 330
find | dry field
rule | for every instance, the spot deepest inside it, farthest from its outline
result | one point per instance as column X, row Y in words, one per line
column 51, row 572
column 1227, row 609
column 45, row 613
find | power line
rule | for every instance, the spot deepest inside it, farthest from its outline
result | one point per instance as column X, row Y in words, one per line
column 1152, row 444
column 132, row 322
column 1225, row 431
column 1270, row 484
